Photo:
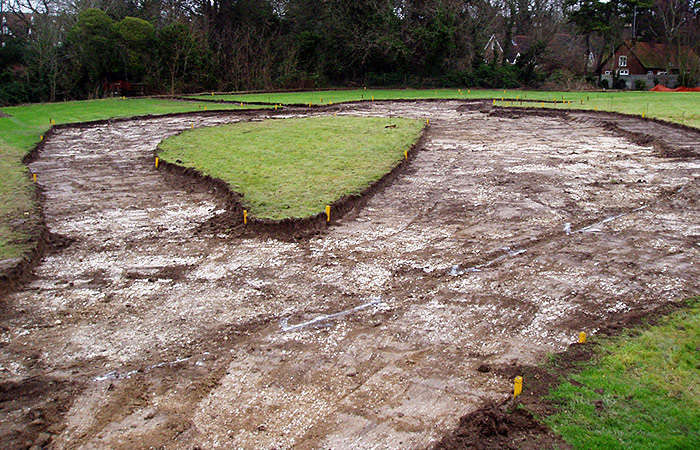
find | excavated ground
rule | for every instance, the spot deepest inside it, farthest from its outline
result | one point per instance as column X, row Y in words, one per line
column 508, row 234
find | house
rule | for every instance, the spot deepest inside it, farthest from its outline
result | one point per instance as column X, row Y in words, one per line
column 561, row 49
column 648, row 62
column 14, row 25
column 493, row 51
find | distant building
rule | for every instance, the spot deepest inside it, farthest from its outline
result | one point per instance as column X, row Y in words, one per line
column 562, row 49
column 649, row 62
column 493, row 51
column 15, row 25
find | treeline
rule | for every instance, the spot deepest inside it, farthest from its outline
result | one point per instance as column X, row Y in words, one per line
column 79, row 49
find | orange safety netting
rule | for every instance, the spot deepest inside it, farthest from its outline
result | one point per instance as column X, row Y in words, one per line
column 662, row 88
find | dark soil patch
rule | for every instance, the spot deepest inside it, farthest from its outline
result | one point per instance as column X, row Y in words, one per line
column 37, row 406
column 2, row 114
column 512, row 424
column 493, row 427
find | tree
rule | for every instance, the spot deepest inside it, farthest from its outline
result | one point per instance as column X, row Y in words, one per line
column 94, row 44
column 137, row 48
column 178, row 54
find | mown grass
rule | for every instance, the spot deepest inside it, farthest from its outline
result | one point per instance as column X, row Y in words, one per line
column 23, row 129
column 294, row 167
column 680, row 107
column 642, row 392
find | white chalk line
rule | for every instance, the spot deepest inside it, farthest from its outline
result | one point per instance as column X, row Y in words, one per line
column 455, row 272
column 284, row 323
column 596, row 226
column 116, row 375
column 478, row 268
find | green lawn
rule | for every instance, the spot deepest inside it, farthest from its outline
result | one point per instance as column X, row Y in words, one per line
column 20, row 132
column 294, row 167
column 681, row 107
column 643, row 392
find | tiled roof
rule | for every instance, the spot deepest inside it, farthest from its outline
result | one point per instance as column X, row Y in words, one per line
column 654, row 56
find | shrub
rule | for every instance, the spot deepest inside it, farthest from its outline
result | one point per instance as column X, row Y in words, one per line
column 619, row 84
column 640, row 85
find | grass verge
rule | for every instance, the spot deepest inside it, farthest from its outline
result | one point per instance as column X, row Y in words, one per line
column 294, row 167
column 641, row 390
column 680, row 107
column 21, row 128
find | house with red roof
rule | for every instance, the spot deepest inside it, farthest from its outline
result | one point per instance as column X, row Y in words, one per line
column 650, row 62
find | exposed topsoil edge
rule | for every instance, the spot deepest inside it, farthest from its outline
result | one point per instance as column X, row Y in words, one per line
column 13, row 275
column 666, row 151
column 512, row 424
column 17, row 273
column 232, row 218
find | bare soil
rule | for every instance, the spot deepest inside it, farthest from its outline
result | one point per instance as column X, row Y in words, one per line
column 506, row 235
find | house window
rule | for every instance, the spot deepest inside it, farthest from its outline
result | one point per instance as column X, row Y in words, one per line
column 607, row 72
column 624, row 72
column 5, row 30
column 623, row 61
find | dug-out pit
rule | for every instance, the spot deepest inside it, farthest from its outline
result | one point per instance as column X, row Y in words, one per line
column 508, row 235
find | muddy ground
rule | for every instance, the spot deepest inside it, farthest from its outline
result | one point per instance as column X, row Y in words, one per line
column 508, row 234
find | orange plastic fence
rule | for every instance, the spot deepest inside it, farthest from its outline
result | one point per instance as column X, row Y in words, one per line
column 662, row 88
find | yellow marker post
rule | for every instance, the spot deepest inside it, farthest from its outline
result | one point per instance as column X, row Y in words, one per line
column 330, row 102
column 518, row 386
column 405, row 154
column 373, row 98
column 275, row 107
column 643, row 114
column 34, row 177
column 469, row 91
column 241, row 104
column 427, row 121
column 205, row 107
column 245, row 217
column 542, row 106
column 582, row 338
column 328, row 213
column 517, row 98
column 334, row 114
column 504, row 91
column 501, row 98
column 53, row 122
column 596, row 107
column 157, row 161
column 123, row 97
column 212, row 94
column 192, row 126
column 41, row 138
column 365, row 88
column 494, row 102
column 320, row 100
